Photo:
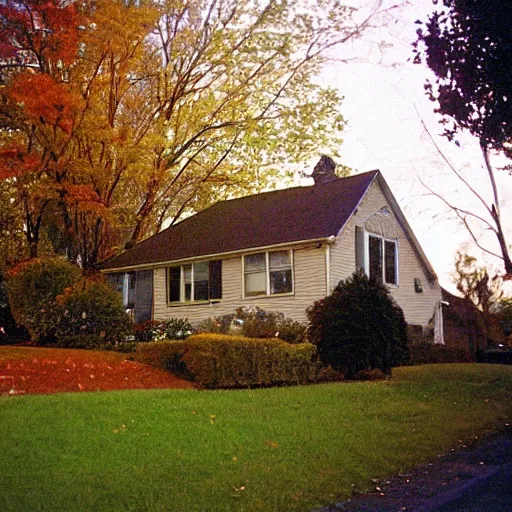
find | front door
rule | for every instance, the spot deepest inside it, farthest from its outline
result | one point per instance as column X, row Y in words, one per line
column 143, row 295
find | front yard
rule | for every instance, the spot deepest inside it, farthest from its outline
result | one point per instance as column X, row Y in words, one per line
column 290, row 448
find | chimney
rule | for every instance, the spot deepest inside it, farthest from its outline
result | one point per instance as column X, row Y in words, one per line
column 324, row 171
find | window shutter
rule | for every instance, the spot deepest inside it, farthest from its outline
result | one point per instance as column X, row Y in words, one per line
column 359, row 248
column 216, row 279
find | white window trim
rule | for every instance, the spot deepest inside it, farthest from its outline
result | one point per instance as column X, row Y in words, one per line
column 367, row 236
column 267, row 264
column 182, row 300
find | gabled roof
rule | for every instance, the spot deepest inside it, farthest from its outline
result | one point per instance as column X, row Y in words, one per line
column 266, row 219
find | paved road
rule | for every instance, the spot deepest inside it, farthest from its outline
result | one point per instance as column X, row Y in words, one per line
column 476, row 477
column 492, row 495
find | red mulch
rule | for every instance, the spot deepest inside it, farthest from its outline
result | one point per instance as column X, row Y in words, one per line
column 50, row 370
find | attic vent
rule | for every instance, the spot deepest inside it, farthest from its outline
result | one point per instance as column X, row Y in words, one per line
column 384, row 211
column 324, row 171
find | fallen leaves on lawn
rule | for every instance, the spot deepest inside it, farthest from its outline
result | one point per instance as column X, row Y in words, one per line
column 47, row 370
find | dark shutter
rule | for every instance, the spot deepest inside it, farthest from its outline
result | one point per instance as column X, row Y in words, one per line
column 216, row 279
column 174, row 282
column 359, row 248
column 390, row 262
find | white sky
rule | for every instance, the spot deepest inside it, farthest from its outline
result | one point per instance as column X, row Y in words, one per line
column 383, row 96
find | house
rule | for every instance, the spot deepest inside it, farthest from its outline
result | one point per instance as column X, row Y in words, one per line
column 467, row 327
column 279, row 250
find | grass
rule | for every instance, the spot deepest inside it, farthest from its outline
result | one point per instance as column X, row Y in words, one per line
column 270, row 449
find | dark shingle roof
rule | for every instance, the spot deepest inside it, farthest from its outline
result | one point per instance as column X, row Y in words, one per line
column 270, row 218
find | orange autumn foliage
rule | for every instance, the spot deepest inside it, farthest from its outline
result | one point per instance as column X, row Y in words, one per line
column 44, row 100
column 39, row 31
column 14, row 162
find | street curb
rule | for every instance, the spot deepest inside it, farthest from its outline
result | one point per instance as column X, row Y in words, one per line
column 447, row 497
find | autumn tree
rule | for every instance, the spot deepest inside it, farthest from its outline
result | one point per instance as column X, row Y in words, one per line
column 118, row 117
column 477, row 286
column 466, row 43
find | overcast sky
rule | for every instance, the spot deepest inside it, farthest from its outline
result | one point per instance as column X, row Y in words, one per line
column 384, row 105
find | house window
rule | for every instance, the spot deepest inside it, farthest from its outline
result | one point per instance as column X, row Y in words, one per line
column 268, row 273
column 382, row 259
column 201, row 281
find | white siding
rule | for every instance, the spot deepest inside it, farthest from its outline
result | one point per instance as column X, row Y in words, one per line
column 309, row 280
column 418, row 307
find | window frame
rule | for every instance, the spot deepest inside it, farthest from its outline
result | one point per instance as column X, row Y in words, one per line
column 383, row 239
column 267, row 274
column 182, row 291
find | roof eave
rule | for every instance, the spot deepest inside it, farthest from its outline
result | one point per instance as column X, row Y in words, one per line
column 221, row 255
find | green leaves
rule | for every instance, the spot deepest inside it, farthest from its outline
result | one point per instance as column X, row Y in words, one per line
column 167, row 107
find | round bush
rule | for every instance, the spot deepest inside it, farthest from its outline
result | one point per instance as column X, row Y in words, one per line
column 92, row 308
column 32, row 288
column 359, row 327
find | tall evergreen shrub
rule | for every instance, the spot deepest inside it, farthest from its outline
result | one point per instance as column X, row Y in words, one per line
column 359, row 327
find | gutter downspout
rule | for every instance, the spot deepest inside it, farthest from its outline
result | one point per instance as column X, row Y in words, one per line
column 330, row 241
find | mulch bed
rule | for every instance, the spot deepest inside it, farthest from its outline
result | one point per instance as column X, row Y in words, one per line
column 33, row 370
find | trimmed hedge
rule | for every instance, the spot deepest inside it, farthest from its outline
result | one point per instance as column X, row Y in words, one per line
column 91, row 342
column 428, row 353
column 225, row 361
column 220, row 361
column 164, row 354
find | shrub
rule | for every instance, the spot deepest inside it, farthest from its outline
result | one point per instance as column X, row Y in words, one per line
column 257, row 323
column 159, row 330
column 329, row 374
column 374, row 374
column 163, row 354
column 9, row 331
column 428, row 353
column 83, row 341
column 217, row 324
column 92, row 309
column 292, row 331
column 223, row 361
column 254, row 322
column 32, row 288
column 358, row 327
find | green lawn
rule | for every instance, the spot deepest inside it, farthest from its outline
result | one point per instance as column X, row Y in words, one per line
column 278, row 449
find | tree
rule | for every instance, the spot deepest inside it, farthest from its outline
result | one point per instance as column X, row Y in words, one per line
column 467, row 46
column 121, row 116
column 476, row 285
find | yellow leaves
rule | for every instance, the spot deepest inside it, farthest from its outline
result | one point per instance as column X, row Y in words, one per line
column 212, row 418
column 120, row 430
column 271, row 444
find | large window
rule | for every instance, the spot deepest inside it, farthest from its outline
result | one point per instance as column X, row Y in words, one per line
column 268, row 273
column 201, row 281
column 382, row 259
